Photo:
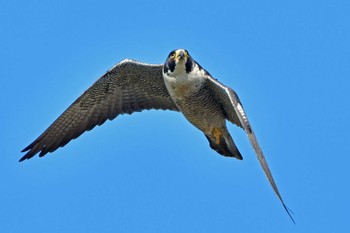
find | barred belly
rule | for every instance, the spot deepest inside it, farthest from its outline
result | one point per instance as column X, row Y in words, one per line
column 202, row 110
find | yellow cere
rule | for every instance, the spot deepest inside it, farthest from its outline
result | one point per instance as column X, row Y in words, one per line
column 177, row 54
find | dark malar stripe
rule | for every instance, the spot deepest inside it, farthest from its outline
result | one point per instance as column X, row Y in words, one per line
column 189, row 65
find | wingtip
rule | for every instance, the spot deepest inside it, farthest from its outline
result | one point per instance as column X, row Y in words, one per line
column 26, row 155
column 289, row 212
column 26, row 149
column 30, row 153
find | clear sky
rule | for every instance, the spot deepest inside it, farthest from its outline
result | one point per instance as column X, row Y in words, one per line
column 153, row 171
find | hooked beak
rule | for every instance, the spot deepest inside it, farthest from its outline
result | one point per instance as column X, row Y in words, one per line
column 180, row 55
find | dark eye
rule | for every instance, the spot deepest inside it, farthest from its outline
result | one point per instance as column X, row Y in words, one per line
column 172, row 55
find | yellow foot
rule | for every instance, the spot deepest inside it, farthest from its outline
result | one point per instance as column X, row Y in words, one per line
column 217, row 134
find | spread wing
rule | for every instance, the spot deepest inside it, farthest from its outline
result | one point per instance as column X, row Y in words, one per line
column 235, row 114
column 128, row 87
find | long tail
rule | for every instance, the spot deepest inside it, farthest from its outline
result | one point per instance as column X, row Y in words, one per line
column 221, row 141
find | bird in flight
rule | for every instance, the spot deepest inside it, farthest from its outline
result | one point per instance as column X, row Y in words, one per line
column 180, row 84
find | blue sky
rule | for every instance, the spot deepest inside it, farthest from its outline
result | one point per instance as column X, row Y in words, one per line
column 153, row 171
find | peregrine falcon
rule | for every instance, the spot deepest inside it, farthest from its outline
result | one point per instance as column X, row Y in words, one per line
column 180, row 84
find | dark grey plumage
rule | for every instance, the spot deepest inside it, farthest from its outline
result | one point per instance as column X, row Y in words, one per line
column 181, row 84
column 235, row 113
column 128, row 87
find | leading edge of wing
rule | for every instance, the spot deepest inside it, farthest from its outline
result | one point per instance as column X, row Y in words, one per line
column 237, row 107
column 254, row 142
column 129, row 86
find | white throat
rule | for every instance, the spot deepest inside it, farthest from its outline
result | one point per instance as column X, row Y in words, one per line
column 181, row 84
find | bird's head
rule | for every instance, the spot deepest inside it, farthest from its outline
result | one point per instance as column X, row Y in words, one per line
column 179, row 61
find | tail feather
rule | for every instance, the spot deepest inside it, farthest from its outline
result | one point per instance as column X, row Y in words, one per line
column 225, row 147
